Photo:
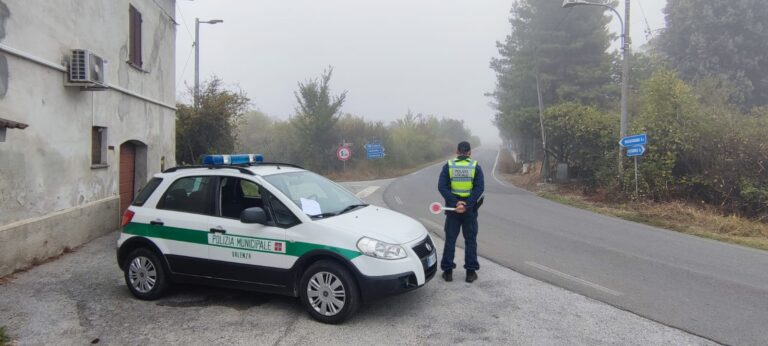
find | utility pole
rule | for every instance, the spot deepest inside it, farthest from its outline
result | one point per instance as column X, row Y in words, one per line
column 626, row 42
column 197, row 56
column 545, row 163
column 197, row 62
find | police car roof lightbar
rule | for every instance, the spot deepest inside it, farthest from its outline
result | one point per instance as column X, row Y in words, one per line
column 239, row 159
column 239, row 168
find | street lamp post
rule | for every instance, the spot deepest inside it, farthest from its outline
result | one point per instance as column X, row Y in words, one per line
column 197, row 55
column 625, row 48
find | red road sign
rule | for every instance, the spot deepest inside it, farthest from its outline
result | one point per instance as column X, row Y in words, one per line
column 344, row 153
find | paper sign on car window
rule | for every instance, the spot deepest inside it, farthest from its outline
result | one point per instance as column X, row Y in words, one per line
column 310, row 207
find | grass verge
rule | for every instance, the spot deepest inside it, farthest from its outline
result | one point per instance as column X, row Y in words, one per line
column 4, row 340
column 689, row 218
column 677, row 216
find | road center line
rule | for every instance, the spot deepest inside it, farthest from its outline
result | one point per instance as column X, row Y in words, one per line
column 367, row 191
column 398, row 200
column 573, row 278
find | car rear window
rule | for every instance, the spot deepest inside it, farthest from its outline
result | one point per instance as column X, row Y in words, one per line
column 144, row 194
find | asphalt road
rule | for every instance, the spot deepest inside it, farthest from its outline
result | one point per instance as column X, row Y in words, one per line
column 81, row 299
column 712, row 289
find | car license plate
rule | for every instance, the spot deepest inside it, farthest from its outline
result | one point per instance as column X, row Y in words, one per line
column 432, row 259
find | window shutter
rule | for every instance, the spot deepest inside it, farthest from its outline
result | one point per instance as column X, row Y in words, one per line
column 134, row 49
column 139, row 59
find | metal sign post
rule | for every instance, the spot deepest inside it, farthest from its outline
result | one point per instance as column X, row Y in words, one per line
column 636, row 187
column 344, row 153
column 635, row 147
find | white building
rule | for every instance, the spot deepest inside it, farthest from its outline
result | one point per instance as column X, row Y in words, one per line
column 72, row 155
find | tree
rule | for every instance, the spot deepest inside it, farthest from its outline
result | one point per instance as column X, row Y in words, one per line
column 581, row 136
column 316, row 116
column 720, row 38
column 566, row 47
column 211, row 128
column 276, row 140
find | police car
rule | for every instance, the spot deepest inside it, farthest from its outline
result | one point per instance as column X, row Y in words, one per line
column 276, row 228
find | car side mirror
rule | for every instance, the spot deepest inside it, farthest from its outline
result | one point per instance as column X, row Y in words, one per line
column 253, row 215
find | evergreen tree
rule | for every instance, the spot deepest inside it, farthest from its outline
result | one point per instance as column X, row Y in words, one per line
column 568, row 48
column 315, row 120
column 720, row 38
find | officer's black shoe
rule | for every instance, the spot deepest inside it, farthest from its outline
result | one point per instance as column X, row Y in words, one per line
column 471, row 275
column 448, row 275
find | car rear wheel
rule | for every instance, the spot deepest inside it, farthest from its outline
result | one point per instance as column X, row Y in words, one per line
column 145, row 275
column 329, row 292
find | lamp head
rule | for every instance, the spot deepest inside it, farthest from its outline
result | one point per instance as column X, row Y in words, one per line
column 572, row 3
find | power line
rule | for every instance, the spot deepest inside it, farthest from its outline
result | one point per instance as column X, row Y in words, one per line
column 648, row 31
column 184, row 70
column 562, row 20
column 173, row 20
column 184, row 21
column 191, row 49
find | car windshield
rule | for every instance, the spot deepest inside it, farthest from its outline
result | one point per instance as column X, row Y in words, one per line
column 317, row 196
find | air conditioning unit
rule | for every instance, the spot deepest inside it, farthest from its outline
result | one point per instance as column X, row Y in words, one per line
column 87, row 70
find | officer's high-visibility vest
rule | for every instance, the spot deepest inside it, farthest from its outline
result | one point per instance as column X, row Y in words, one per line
column 461, row 172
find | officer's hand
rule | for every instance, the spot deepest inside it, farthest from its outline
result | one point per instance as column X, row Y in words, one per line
column 461, row 208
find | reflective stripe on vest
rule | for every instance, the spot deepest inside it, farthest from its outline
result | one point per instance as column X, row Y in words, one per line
column 461, row 172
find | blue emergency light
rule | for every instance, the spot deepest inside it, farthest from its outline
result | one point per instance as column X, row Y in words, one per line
column 238, row 159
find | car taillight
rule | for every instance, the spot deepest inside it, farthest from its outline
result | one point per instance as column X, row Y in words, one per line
column 127, row 217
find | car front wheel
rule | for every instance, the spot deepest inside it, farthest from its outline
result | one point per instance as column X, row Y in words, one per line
column 329, row 292
column 145, row 274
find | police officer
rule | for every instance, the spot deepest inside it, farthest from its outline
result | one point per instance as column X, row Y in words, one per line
column 461, row 184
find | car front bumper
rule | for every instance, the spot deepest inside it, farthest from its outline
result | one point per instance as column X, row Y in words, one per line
column 423, row 265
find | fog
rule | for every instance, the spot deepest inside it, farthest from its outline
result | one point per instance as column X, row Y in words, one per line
column 426, row 56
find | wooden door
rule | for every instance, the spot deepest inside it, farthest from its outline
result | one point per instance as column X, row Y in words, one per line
column 127, row 174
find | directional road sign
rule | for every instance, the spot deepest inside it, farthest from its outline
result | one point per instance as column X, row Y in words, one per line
column 629, row 141
column 637, row 150
column 374, row 151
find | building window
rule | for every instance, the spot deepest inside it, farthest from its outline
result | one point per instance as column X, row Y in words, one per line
column 98, row 147
column 134, row 44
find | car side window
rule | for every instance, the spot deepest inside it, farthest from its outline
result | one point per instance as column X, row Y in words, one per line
column 236, row 195
column 190, row 195
column 147, row 191
column 283, row 216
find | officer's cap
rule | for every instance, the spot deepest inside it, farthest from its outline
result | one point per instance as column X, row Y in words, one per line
column 464, row 147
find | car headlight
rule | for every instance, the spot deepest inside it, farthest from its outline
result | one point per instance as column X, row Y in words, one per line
column 380, row 249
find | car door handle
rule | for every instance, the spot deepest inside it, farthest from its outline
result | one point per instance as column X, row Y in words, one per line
column 218, row 230
column 157, row 222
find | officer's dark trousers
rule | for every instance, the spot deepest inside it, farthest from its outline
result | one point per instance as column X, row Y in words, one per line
column 467, row 224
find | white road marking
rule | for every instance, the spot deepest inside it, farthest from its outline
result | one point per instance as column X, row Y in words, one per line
column 573, row 278
column 398, row 200
column 498, row 153
column 431, row 223
column 367, row 191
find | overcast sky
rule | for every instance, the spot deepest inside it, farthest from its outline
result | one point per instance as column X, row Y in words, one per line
column 427, row 56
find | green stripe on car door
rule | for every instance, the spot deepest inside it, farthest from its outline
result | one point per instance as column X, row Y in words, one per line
column 201, row 237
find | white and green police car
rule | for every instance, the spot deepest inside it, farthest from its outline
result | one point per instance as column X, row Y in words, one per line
column 275, row 228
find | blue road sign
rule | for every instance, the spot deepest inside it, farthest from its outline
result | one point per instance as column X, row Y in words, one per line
column 630, row 141
column 637, row 150
column 374, row 151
